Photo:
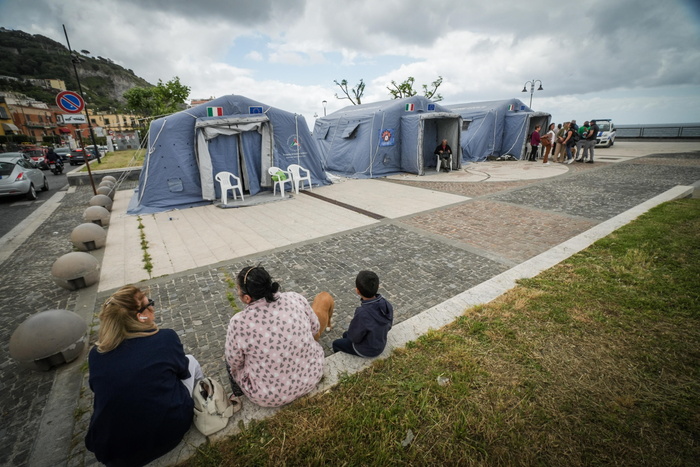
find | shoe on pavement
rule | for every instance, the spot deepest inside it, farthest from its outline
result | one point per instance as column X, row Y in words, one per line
column 589, row 162
column 569, row 161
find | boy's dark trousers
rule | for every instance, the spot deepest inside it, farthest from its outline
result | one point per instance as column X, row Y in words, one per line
column 344, row 345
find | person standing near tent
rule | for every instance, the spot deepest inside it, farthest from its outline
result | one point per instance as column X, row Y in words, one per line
column 589, row 141
column 559, row 154
column 535, row 143
column 547, row 141
column 444, row 151
column 582, row 132
column 569, row 142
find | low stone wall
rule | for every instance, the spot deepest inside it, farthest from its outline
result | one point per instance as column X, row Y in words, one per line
column 79, row 177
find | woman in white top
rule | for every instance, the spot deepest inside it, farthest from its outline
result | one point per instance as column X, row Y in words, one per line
column 547, row 140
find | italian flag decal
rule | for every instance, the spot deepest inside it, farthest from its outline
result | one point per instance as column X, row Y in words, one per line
column 215, row 111
column 410, row 107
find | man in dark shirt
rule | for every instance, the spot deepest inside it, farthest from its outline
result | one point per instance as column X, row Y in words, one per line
column 590, row 139
column 444, row 151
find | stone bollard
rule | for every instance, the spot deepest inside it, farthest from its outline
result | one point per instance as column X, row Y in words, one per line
column 107, row 183
column 48, row 339
column 101, row 200
column 76, row 270
column 97, row 215
column 110, row 178
column 88, row 237
column 106, row 190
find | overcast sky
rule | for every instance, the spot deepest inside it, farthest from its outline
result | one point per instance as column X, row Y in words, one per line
column 636, row 61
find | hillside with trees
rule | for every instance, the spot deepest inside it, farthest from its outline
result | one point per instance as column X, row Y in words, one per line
column 26, row 56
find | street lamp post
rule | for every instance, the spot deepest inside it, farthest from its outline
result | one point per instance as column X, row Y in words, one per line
column 532, row 88
column 324, row 107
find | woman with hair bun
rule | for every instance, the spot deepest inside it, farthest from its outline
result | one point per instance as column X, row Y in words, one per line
column 142, row 381
column 270, row 350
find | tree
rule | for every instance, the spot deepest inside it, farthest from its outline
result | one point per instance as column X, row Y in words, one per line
column 171, row 96
column 405, row 89
column 165, row 98
column 357, row 91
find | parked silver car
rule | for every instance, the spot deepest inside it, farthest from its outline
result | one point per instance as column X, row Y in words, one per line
column 23, row 155
column 19, row 177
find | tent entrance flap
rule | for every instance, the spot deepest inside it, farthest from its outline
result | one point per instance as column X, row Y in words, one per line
column 241, row 145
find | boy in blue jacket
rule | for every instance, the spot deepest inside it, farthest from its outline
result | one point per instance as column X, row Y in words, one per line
column 366, row 336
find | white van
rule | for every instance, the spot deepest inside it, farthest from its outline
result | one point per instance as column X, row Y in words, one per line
column 606, row 132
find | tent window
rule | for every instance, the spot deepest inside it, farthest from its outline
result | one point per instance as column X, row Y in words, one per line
column 322, row 132
column 175, row 185
column 350, row 130
column 465, row 124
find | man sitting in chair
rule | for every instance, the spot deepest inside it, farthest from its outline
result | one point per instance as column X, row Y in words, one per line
column 444, row 151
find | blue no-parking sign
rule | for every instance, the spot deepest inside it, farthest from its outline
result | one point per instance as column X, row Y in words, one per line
column 70, row 102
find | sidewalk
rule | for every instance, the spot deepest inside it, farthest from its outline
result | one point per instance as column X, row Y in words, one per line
column 440, row 243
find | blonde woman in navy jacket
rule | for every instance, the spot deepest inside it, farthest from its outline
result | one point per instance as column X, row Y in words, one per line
column 142, row 381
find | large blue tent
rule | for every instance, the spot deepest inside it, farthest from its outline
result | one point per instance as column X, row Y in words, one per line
column 496, row 128
column 232, row 133
column 385, row 138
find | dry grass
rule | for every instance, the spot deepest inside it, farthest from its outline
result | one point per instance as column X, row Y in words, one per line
column 595, row 361
column 118, row 160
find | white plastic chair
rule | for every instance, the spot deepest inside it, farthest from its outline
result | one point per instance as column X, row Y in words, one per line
column 273, row 171
column 298, row 179
column 438, row 164
column 224, row 179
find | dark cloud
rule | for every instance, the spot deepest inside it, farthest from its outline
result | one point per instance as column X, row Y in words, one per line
column 238, row 11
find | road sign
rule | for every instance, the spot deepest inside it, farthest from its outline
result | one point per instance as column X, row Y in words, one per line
column 70, row 102
column 73, row 118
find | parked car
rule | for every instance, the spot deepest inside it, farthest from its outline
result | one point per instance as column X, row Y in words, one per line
column 62, row 153
column 606, row 132
column 77, row 156
column 19, row 177
column 23, row 155
column 38, row 155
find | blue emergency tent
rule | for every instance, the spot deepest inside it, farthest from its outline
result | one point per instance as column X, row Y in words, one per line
column 385, row 138
column 496, row 128
column 232, row 133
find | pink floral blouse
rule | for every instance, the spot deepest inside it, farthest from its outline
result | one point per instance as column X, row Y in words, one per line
column 272, row 352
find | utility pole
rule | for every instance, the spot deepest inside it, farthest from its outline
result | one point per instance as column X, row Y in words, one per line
column 75, row 59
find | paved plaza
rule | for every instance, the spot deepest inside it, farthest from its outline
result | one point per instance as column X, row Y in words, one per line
column 431, row 239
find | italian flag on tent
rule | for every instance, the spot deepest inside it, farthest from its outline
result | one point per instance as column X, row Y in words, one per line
column 215, row 111
column 410, row 107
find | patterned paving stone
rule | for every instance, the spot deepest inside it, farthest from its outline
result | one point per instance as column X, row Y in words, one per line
column 604, row 193
column 513, row 232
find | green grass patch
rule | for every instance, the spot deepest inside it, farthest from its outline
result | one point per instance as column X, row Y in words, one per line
column 594, row 361
column 118, row 160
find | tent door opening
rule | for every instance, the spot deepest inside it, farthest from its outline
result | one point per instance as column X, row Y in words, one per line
column 434, row 131
column 240, row 145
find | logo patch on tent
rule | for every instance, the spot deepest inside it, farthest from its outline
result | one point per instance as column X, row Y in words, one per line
column 215, row 111
column 255, row 110
column 431, row 107
column 386, row 137
column 410, row 107
column 293, row 142
column 511, row 107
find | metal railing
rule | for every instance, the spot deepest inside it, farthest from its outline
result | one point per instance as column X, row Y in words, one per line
column 667, row 130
